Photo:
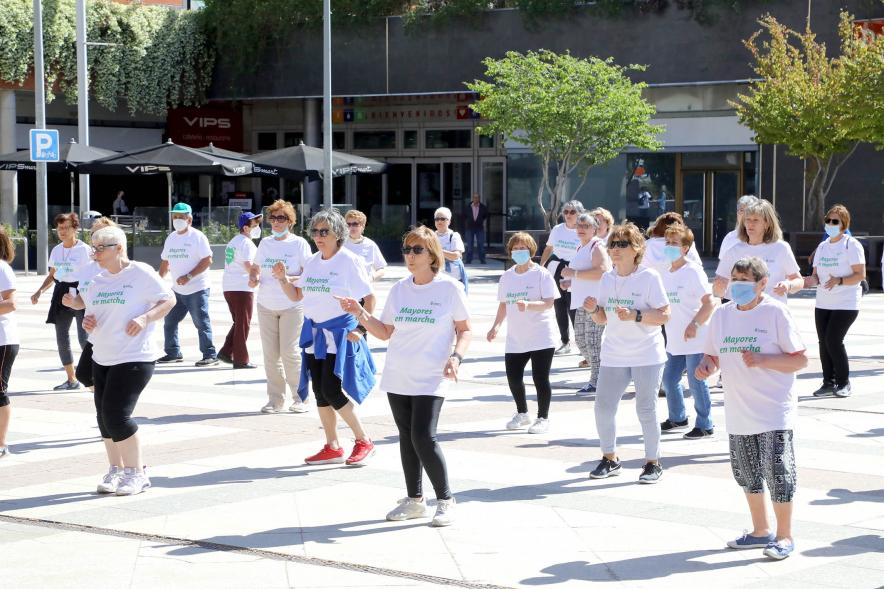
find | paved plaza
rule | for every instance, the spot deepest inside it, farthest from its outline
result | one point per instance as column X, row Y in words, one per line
column 234, row 506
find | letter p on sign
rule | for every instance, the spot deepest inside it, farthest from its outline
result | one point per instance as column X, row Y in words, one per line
column 44, row 145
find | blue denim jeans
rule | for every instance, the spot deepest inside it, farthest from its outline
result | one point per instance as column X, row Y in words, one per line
column 479, row 236
column 197, row 304
column 675, row 366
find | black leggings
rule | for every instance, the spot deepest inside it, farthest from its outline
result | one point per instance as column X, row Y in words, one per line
column 541, row 362
column 562, row 305
column 84, row 366
column 7, row 358
column 417, row 417
column 326, row 384
column 117, row 389
column 831, row 329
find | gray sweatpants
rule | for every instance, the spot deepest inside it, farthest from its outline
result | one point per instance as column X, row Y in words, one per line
column 613, row 381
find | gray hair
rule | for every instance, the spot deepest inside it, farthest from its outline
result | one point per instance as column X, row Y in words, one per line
column 445, row 211
column 745, row 201
column 335, row 222
column 574, row 204
column 110, row 235
column 751, row 265
column 589, row 219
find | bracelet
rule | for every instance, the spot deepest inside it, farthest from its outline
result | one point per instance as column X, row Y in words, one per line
column 841, row 281
column 596, row 310
column 458, row 356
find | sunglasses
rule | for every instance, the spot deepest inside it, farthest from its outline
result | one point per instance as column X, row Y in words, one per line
column 354, row 224
column 97, row 249
column 569, row 212
column 320, row 232
column 278, row 219
column 833, row 221
column 584, row 225
column 619, row 245
column 437, row 219
column 413, row 249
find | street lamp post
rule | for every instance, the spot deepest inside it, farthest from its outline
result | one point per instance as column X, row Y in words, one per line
column 82, row 100
column 326, row 105
column 40, row 116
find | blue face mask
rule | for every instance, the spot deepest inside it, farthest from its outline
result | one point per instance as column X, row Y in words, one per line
column 742, row 293
column 282, row 233
column 833, row 230
column 520, row 256
column 671, row 252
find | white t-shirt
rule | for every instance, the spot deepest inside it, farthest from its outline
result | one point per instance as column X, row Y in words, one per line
column 184, row 252
column 627, row 343
column 777, row 255
column 370, row 253
column 729, row 241
column 116, row 299
column 424, row 317
column 684, row 289
column 582, row 260
column 341, row 275
column 756, row 400
column 8, row 322
column 835, row 260
column 292, row 251
column 68, row 260
column 655, row 259
column 451, row 242
column 239, row 249
column 84, row 276
column 565, row 242
column 528, row 330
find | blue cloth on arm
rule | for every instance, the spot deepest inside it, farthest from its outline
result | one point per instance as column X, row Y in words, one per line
column 353, row 362
column 463, row 272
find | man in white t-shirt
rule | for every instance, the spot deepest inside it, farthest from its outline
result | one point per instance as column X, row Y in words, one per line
column 188, row 257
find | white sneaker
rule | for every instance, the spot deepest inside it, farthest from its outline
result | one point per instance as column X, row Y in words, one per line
column 271, row 408
column 408, row 508
column 519, row 421
column 111, row 480
column 299, row 406
column 133, row 482
column 444, row 513
column 540, row 426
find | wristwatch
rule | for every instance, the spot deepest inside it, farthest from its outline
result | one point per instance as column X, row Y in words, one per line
column 695, row 324
column 638, row 316
column 458, row 356
column 189, row 276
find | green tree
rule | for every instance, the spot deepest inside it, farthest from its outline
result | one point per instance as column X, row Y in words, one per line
column 821, row 108
column 573, row 113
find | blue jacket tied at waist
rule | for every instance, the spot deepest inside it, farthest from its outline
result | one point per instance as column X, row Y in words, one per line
column 464, row 279
column 353, row 362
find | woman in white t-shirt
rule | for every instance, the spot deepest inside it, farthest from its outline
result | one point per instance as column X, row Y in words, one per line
column 839, row 265
column 65, row 260
column 732, row 238
column 239, row 255
column 633, row 305
column 526, row 293
column 280, row 257
column 585, row 272
column 654, row 257
column 424, row 314
column 123, row 304
column 755, row 343
column 605, row 220
column 761, row 236
column 561, row 247
column 362, row 246
column 9, row 340
column 452, row 246
column 691, row 305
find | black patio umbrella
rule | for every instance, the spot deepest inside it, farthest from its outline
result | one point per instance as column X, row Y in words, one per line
column 309, row 161
column 168, row 158
column 70, row 157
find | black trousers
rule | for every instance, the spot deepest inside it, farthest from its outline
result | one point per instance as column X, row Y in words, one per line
column 84, row 366
column 831, row 329
column 417, row 418
column 7, row 359
column 562, row 305
column 117, row 389
column 326, row 384
column 541, row 362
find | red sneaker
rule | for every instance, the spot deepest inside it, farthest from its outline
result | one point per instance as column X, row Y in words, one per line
column 362, row 451
column 327, row 455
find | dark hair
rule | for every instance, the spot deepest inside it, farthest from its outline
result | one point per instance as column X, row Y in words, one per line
column 63, row 218
column 661, row 224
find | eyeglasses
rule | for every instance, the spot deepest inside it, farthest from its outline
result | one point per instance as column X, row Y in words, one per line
column 413, row 249
column 354, row 224
column 320, row 232
column 833, row 221
column 584, row 225
column 619, row 245
column 437, row 219
column 278, row 219
column 97, row 249
column 569, row 212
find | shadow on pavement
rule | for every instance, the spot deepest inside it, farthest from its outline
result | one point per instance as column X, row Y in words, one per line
column 845, row 496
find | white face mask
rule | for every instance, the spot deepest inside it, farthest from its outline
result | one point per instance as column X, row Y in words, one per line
column 179, row 224
column 255, row 233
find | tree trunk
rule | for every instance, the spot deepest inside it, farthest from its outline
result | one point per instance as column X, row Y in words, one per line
column 815, row 201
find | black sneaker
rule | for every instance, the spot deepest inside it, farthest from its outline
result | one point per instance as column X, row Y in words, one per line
column 169, row 359
column 243, row 366
column 589, row 388
column 670, row 425
column 661, row 394
column 225, row 358
column 843, row 391
column 825, row 390
column 206, row 362
column 651, row 473
column 68, row 385
column 697, row 433
column 606, row 468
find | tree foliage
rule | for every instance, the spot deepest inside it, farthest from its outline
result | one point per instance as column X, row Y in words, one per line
column 159, row 59
column 819, row 107
column 574, row 114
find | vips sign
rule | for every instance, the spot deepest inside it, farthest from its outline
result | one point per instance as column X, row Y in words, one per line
column 197, row 127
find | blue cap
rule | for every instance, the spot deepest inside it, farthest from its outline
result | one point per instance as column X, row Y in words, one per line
column 182, row 207
column 246, row 217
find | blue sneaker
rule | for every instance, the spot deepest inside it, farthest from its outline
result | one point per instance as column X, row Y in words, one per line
column 748, row 541
column 779, row 550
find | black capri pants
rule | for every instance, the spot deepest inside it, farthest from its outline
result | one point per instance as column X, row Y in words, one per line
column 117, row 389
column 84, row 366
column 325, row 383
column 7, row 358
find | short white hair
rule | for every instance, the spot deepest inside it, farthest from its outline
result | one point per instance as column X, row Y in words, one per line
column 111, row 235
column 445, row 211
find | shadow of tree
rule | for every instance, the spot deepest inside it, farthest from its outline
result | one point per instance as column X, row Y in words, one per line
column 845, row 496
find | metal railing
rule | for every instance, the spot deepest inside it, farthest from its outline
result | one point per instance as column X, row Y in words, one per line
column 25, row 240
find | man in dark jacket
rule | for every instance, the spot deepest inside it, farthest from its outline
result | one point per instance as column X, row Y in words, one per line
column 474, row 227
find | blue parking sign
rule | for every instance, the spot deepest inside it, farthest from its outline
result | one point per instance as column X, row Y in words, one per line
column 44, row 145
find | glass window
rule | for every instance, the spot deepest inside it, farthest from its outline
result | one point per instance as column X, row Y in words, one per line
column 409, row 139
column 267, row 141
column 486, row 141
column 292, row 138
column 339, row 140
column 449, row 139
column 374, row 140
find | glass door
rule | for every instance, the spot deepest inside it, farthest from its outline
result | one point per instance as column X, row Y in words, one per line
column 709, row 205
column 694, row 185
column 457, row 183
column 492, row 183
column 725, row 193
column 429, row 192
